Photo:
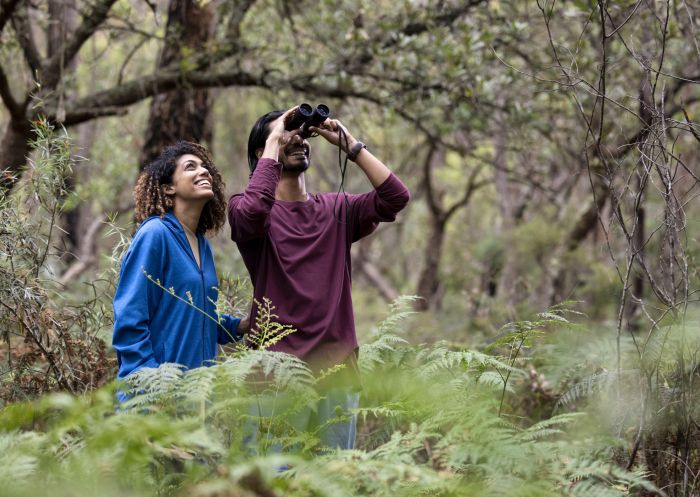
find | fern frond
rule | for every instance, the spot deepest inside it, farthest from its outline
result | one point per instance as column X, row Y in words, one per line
column 585, row 387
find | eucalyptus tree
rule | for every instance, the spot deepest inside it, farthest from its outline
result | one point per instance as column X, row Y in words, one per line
column 323, row 49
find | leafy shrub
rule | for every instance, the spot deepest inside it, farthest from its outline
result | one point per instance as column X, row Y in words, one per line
column 50, row 346
column 430, row 425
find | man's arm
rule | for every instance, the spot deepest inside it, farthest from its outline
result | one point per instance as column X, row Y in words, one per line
column 376, row 171
column 389, row 196
column 248, row 212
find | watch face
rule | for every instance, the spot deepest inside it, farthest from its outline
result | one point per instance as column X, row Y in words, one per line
column 356, row 150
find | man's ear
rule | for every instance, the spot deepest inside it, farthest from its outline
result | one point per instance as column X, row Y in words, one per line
column 259, row 152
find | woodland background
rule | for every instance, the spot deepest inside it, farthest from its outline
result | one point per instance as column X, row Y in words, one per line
column 551, row 148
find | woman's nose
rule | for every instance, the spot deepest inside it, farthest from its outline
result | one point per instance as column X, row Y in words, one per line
column 204, row 170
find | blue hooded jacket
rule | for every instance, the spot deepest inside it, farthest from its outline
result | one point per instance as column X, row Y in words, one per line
column 152, row 325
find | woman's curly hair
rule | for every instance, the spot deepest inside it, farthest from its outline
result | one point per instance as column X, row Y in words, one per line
column 150, row 196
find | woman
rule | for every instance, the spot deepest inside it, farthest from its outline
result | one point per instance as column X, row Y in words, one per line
column 164, row 307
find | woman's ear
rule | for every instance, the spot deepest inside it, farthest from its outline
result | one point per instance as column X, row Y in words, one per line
column 169, row 189
column 259, row 152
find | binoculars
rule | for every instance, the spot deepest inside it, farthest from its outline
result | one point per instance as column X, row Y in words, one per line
column 306, row 116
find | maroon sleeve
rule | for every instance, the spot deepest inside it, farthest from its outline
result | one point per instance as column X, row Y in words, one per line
column 380, row 205
column 248, row 212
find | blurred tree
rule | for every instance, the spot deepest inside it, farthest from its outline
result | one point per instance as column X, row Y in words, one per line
column 183, row 113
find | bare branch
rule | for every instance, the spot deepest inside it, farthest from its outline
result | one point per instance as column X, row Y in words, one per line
column 428, row 164
column 112, row 101
column 91, row 21
column 472, row 186
column 23, row 29
column 7, row 7
column 86, row 256
column 373, row 274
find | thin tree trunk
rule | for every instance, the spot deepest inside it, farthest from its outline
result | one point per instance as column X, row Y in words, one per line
column 429, row 281
column 584, row 225
column 506, row 287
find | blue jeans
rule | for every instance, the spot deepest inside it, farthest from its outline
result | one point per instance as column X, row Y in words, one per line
column 336, row 424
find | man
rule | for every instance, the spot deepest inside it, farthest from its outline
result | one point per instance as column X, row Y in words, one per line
column 296, row 247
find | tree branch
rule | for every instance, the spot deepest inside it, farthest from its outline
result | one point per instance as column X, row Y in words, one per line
column 440, row 19
column 472, row 186
column 91, row 21
column 428, row 163
column 23, row 30
column 239, row 10
column 86, row 256
column 112, row 101
column 7, row 7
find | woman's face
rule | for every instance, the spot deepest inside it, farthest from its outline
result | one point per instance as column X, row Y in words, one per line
column 191, row 181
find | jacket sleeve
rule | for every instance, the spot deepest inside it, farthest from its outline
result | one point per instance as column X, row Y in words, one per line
column 135, row 301
column 228, row 330
column 248, row 212
column 380, row 205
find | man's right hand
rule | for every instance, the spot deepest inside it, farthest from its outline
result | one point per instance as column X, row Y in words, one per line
column 278, row 137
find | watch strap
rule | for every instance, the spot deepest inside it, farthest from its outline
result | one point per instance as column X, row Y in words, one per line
column 355, row 150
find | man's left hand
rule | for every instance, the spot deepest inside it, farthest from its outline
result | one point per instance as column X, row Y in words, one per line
column 329, row 130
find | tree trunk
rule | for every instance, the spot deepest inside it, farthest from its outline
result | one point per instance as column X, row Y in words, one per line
column 181, row 114
column 584, row 225
column 13, row 151
column 507, row 193
column 429, row 282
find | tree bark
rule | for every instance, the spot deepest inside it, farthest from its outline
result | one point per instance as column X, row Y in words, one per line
column 583, row 226
column 429, row 282
column 181, row 114
column 14, row 150
column 506, row 193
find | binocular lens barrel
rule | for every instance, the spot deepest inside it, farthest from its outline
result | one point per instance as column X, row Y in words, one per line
column 305, row 116
column 299, row 117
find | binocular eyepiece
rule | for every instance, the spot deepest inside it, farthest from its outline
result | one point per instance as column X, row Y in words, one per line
column 306, row 116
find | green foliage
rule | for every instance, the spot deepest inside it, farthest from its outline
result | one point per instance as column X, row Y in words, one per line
column 49, row 344
column 430, row 425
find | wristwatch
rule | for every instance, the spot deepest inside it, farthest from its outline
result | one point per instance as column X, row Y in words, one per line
column 355, row 150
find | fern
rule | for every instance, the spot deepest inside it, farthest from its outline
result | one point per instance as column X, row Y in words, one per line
column 267, row 331
column 430, row 415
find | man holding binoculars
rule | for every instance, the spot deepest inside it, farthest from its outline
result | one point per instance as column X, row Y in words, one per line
column 296, row 246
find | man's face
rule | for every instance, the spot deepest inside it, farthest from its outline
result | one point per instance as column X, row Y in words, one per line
column 295, row 156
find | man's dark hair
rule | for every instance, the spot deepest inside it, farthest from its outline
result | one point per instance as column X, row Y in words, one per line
column 150, row 196
column 258, row 136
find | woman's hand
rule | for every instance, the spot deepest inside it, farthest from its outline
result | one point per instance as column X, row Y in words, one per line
column 244, row 325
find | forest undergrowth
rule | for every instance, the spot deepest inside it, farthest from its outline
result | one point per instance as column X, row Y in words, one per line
column 434, row 420
column 550, row 407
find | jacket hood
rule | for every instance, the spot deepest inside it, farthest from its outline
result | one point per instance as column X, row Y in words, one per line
column 170, row 221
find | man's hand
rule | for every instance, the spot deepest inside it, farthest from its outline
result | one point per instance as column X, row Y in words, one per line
column 329, row 130
column 278, row 137
column 278, row 134
column 376, row 171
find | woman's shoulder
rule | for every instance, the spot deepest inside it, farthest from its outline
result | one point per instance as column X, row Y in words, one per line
column 151, row 229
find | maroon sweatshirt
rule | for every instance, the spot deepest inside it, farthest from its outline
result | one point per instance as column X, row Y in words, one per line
column 298, row 256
